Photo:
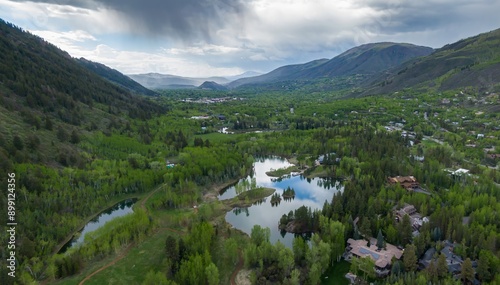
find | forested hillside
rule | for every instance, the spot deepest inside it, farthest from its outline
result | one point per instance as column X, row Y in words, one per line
column 364, row 60
column 79, row 144
column 474, row 61
column 116, row 77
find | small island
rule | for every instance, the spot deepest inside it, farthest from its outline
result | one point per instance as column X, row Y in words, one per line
column 289, row 193
column 282, row 171
column 299, row 222
column 275, row 199
column 249, row 197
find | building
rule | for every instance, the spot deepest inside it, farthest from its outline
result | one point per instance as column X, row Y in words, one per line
column 407, row 182
column 383, row 257
column 416, row 219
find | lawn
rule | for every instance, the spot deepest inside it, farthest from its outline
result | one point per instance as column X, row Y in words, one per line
column 144, row 256
column 335, row 274
column 132, row 269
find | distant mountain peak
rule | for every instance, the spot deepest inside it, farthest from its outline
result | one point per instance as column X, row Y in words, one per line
column 211, row 85
column 365, row 59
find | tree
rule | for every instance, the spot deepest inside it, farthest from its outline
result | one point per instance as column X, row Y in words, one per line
column 410, row 258
column 397, row 268
column 18, row 143
column 259, row 234
column 467, row 274
column 33, row 142
column 365, row 227
column 62, row 135
column 300, row 249
column 75, row 137
column 483, row 267
column 365, row 265
column 380, row 240
column 156, row 278
column 191, row 271
column 172, row 251
column 251, row 255
column 231, row 251
column 319, row 253
column 392, row 234
column 295, row 277
column 442, row 266
column 212, row 274
column 315, row 274
column 48, row 123
column 285, row 260
column 405, row 230
column 432, row 272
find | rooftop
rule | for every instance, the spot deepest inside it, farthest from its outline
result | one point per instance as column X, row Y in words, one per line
column 381, row 257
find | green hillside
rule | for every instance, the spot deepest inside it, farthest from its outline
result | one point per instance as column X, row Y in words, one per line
column 116, row 77
column 362, row 60
column 473, row 61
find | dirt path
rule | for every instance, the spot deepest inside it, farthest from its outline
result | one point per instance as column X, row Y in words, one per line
column 143, row 202
column 118, row 258
column 239, row 266
column 124, row 253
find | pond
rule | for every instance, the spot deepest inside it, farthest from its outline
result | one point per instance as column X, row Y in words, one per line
column 308, row 192
column 118, row 210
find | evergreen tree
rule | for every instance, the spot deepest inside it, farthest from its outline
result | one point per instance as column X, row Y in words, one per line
column 75, row 138
column 410, row 258
column 62, row 135
column 405, row 230
column 442, row 266
column 467, row 274
column 483, row 267
column 380, row 240
column 18, row 143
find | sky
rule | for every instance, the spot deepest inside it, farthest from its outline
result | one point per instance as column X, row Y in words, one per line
column 202, row 38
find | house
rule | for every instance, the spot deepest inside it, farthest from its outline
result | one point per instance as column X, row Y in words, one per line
column 453, row 261
column 383, row 258
column 407, row 182
column 427, row 258
column 221, row 117
column 416, row 219
column 326, row 157
column 494, row 155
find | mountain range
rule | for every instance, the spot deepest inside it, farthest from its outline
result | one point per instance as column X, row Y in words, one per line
column 373, row 68
column 474, row 61
column 366, row 59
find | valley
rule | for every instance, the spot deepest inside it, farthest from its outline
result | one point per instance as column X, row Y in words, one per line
column 356, row 152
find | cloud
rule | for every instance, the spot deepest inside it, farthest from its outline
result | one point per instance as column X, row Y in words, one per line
column 133, row 62
column 250, row 34
column 180, row 19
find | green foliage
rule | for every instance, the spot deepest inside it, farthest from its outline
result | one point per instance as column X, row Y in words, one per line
column 260, row 235
column 467, row 272
column 156, row 278
column 410, row 258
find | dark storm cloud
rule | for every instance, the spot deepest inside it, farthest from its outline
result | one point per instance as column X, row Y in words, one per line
column 183, row 19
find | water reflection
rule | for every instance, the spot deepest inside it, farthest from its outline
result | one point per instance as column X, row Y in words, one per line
column 308, row 192
column 117, row 210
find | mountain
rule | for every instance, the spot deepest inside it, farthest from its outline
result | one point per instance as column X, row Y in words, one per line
column 116, row 77
column 474, row 61
column 45, row 95
column 167, row 81
column 287, row 72
column 243, row 75
column 210, row 85
column 366, row 59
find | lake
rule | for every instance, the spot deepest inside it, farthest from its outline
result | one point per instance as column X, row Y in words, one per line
column 308, row 192
column 118, row 210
